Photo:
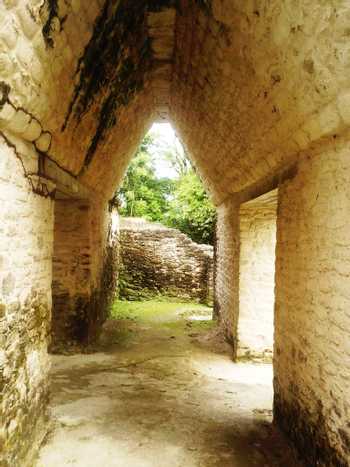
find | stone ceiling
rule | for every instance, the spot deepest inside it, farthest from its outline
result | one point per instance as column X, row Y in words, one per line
column 247, row 85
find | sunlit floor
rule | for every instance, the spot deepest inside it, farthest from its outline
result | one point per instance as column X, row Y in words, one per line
column 162, row 395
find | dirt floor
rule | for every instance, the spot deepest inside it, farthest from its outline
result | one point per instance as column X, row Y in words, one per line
column 162, row 391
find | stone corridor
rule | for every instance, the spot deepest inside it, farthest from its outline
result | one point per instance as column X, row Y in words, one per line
column 258, row 91
column 166, row 395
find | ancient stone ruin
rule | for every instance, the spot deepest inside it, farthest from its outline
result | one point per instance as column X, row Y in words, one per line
column 259, row 93
column 159, row 261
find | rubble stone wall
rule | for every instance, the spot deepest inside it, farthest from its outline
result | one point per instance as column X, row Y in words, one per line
column 156, row 260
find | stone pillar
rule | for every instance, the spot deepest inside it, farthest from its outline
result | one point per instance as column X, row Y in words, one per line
column 312, row 321
column 26, row 237
column 71, row 286
column 257, row 277
column 227, row 268
column 84, row 271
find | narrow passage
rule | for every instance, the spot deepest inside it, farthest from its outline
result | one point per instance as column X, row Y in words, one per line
column 161, row 391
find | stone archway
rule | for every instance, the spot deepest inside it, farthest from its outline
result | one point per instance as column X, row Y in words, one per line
column 259, row 94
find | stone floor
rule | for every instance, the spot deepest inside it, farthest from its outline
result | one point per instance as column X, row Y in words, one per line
column 161, row 393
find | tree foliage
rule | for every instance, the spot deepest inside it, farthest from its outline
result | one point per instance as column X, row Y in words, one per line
column 142, row 193
column 181, row 202
column 190, row 210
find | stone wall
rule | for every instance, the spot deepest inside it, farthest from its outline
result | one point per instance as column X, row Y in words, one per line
column 83, row 286
column 84, row 80
column 26, row 239
column 227, row 268
column 312, row 322
column 33, row 228
column 249, row 86
column 156, row 260
column 257, row 277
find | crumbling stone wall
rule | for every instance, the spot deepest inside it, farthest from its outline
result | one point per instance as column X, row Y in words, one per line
column 312, row 363
column 257, row 277
column 26, row 239
column 156, row 260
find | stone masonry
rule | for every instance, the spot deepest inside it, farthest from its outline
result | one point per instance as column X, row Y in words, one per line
column 77, row 298
column 226, row 300
column 26, row 243
column 312, row 306
column 156, row 260
column 257, row 277
column 259, row 93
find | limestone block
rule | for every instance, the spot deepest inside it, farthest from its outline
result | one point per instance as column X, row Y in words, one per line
column 7, row 113
column 8, row 33
column 329, row 119
column 313, row 128
column 33, row 130
column 343, row 103
column 301, row 138
column 63, row 7
column 29, row 26
column 19, row 122
column 10, row 3
column 24, row 53
column 76, row 6
column 6, row 65
column 43, row 142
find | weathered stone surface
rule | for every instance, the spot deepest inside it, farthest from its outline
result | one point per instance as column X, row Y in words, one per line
column 251, row 87
column 227, row 74
column 156, row 260
column 257, row 277
column 312, row 346
column 227, row 269
column 25, row 307
column 84, row 275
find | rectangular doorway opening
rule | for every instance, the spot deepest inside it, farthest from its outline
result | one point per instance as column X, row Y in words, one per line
column 255, row 327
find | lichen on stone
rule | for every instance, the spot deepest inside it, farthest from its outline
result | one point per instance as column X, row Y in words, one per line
column 52, row 6
column 114, row 65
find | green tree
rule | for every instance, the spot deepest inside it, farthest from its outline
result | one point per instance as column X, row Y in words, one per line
column 181, row 202
column 142, row 193
column 190, row 209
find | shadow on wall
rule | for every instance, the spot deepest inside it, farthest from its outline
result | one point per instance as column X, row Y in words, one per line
column 82, row 288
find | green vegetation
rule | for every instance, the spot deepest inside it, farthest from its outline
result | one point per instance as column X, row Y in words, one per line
column 180, row 202
column 142, row 193
column 191, row 211
column 168, row 314
column 174, row 319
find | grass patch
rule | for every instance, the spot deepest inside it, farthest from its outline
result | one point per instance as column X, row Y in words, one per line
column 157, row 310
